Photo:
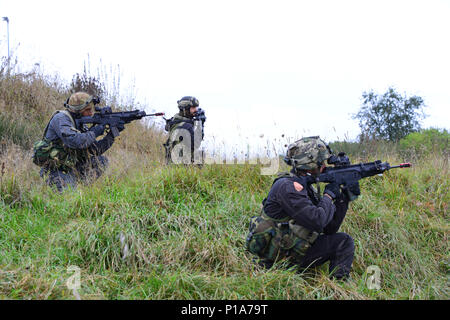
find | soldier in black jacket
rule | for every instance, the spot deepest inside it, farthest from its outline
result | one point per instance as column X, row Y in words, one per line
column 301, row 224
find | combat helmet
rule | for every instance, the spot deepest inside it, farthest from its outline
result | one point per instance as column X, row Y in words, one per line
column 185, row 103
column 307, row 153
column 79, row 100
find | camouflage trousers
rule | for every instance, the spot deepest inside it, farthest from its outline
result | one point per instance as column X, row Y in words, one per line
column 84, row 172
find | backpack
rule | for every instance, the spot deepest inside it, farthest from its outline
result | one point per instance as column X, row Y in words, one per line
column 274, row 239
column 53, row 153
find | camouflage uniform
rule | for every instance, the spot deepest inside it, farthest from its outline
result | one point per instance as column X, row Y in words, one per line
column 76, row 154
column 302, row 226
column 185, row 134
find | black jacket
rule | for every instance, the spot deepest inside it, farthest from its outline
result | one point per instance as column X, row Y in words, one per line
column 284, row 200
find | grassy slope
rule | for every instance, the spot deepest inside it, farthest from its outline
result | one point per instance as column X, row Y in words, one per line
column 184, row 229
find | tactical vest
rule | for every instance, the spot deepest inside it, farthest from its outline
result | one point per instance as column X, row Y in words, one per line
column 53, row 154
column 172, row 124
column 275, row 239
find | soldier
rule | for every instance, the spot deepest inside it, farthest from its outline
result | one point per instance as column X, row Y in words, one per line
column 297, row 223
column 185, row 133
column 69, row 153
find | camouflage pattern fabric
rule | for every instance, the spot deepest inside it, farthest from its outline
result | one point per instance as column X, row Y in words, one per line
column 259, row 240
column 85, row 172
column 78, row 101
column 187, row 102
column 307, row 153
column 273, row 240
column 53, row 154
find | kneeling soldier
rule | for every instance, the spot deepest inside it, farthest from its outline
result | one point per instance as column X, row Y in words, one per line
column 69, row 153
column 296, row 222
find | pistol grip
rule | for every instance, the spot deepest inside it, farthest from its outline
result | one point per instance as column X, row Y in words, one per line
column 115, row 131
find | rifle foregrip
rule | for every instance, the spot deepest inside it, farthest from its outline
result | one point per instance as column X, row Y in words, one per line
column 115, row 131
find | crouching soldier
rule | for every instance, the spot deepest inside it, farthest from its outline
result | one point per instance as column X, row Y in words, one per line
column 70, row 153
column 298, row 224
column 185, row 133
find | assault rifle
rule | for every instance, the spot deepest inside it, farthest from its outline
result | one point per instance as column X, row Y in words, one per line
column 346, row 174
column 105, row 116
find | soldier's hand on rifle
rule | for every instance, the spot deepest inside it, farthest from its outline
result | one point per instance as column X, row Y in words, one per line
column 354, row 188
column 121, row 127
column 351, row 190
column 200, row 115
column 333, row 190
column 98, row 130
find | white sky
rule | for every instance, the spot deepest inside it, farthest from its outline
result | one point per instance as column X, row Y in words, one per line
column 257, row 67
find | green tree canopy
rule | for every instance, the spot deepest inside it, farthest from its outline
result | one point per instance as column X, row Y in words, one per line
column 390, row 116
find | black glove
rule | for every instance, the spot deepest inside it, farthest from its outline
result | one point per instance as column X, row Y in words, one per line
column 98, row 130
column 200, row 115
column 333, row 190
column 354, row 188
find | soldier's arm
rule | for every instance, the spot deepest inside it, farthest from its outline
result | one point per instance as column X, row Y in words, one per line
column 72, row 138
column 297, row 205
column 101, row 146
column 341, row 210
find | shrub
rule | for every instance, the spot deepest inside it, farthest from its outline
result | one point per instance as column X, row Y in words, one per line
column 427, row 141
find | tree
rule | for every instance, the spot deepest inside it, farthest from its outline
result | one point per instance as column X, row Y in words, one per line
column 389, row 116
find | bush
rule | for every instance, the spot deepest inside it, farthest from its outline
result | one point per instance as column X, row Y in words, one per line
column 390, row 116
column 425, row 142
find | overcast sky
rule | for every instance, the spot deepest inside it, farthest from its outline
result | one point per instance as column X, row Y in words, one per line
column 257, row 67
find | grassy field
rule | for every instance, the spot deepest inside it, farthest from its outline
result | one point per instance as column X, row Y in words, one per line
column 148, row 231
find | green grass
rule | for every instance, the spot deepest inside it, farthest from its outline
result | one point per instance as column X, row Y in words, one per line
column 185, row 229
column 147, row 231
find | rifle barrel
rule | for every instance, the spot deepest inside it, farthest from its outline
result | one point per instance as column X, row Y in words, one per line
column 155, row 114
column 402, row 165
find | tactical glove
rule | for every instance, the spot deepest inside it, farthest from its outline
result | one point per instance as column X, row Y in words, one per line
column 200, row 115
column 121, row 127
column 98, row 130
column 352, row 191
column 333, row 190
column 354, row 188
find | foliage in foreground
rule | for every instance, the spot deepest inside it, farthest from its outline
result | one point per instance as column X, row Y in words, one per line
column 178, row 233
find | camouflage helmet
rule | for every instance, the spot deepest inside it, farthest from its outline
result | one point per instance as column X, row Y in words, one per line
column 307, row 153
column 78, row 101
column 185, row 103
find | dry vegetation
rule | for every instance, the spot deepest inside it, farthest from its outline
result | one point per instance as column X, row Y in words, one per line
column 147, row 231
